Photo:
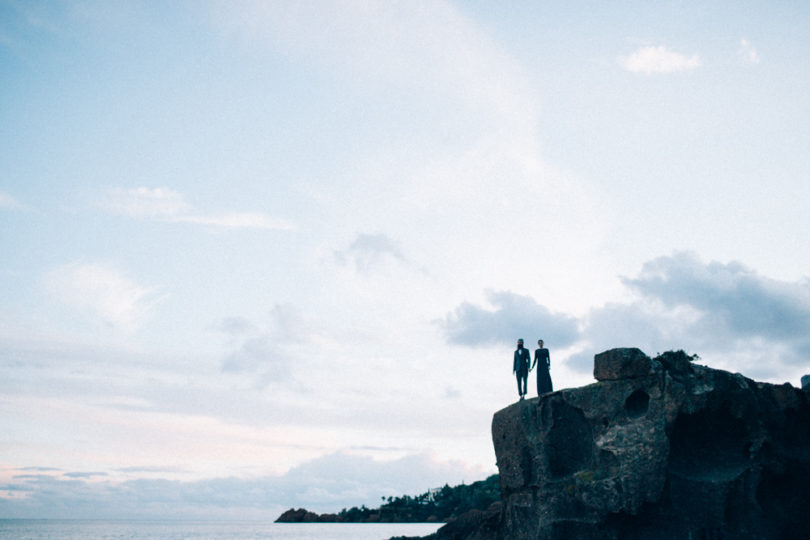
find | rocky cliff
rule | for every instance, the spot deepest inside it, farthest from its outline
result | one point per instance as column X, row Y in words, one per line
column 656, row 449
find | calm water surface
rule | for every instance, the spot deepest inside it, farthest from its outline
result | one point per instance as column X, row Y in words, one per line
column 55, row 529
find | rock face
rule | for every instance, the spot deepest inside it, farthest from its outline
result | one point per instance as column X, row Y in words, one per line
column 302, row 515
column 656, row 449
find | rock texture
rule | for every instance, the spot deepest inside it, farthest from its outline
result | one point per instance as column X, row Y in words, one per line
column 657, row 448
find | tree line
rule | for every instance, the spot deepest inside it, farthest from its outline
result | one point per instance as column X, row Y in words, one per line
column 435, row 505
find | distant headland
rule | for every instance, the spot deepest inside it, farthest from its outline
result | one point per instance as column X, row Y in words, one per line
column 434, row 506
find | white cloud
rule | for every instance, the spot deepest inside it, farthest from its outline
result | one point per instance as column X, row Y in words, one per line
column 368, row 250
column 165, row 204
column 747, row 53
column 8, row 202
column 143, row 202
column 658, row 60
column 103, row 291
column 432, row 47
column 238, row 220
column 463, row 173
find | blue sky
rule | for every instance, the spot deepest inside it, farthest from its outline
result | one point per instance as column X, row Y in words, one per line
column 265, row 254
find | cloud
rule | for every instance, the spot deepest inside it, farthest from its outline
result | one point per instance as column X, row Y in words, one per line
column 723, row 311
column 142, row 202
column 326, row 484
column 432, row 48
column 104, row 291
column 370, row 250
column 658, row 60
column 84, row 474
column 164, row 204
column 238, row 220
column 154, row 469
column 514, row 316
column 261, row 356
column 747, row 53
column 265, row 352
column 236, row 326
column 8, row 202
column 643, row 324
column 734, row 300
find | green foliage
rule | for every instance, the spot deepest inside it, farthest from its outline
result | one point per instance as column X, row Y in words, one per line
column 434, row 505
column 680, row 354
column 677, row 361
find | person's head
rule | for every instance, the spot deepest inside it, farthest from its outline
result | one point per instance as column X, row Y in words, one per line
column 540, row 343
column 520, row 344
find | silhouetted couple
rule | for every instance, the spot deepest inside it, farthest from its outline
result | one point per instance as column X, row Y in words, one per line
column 520, row 367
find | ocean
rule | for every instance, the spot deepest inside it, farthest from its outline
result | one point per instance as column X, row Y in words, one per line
column 79, row 529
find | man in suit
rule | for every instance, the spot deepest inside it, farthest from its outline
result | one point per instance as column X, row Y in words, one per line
column 520, row 367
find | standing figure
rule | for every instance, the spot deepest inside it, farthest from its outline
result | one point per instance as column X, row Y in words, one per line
column 520, row 367
column 542, row 360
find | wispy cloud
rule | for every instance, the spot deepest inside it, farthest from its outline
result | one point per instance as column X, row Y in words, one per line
column 396, row 44
column 236, row 326
column 747, row 53
column 263, row 352
column 658, row 60
column 85, row 474
column 369, row 250
column 104, row 291
column 261, row 357
column 238, row 220
column 8, row 202
column 164, row 204
column 143, row 202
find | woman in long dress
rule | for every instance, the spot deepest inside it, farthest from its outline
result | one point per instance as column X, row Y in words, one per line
column 542, row 359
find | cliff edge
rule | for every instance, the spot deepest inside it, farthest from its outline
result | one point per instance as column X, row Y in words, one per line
column 656, row 449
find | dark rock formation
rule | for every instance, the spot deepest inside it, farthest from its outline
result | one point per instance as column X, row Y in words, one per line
column 657, row 449
column 618, row 364
column 805, row 382
column 302, row 515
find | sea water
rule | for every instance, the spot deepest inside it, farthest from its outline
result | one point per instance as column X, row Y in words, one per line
column 57, row 529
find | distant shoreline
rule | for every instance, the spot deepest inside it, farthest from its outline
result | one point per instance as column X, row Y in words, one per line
column 440, row 505
column 302, row 515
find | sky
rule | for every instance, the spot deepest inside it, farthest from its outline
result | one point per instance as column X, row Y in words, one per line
column 262, row 255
